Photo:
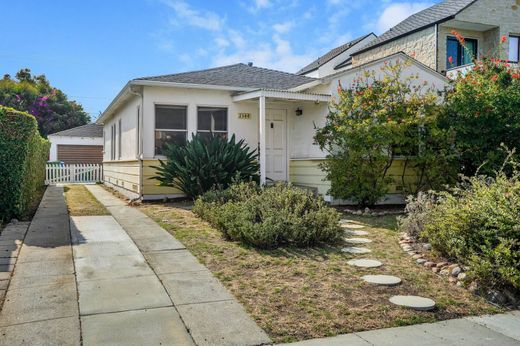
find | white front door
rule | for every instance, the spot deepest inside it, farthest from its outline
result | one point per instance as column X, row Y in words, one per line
column 276, row 144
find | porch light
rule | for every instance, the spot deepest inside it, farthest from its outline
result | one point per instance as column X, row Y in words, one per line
column 299, row 111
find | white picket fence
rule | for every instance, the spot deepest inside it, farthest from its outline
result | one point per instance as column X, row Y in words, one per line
column 73, row 173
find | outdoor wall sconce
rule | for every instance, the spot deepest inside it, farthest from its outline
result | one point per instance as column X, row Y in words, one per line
column 299, row 111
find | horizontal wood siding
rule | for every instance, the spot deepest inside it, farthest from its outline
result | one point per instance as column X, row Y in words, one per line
column 124, row 174
column 150, row 185
column 308, row 173
column 71, row 154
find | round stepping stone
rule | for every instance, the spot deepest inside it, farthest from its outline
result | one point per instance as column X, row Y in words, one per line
column 358, row 240
column 346, row 221
column 355, row 232
column 355, row 250
column 352, row 226
column 413, row 302
column 383, row 280
column 365, row 263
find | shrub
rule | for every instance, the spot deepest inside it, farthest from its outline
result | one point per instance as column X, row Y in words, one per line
column 476, row 224
column 271, row 216
column 417, row 209
column 374, row 121
column 23, row 154
column 203, row 164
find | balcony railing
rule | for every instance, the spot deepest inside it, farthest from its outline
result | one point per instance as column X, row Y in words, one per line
column 452, row 73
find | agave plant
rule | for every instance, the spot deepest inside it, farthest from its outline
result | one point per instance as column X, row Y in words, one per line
column 206, row 163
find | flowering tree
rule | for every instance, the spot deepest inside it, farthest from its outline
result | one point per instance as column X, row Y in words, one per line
column 49, row 105
column 376, row 120
column 483, row 110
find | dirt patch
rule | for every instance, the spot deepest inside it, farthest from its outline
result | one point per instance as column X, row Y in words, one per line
column 297, row 294
column 80, row 202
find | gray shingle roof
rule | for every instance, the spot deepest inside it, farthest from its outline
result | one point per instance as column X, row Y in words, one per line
column 331, row 55
column 420, row 20
column 238, row 75
column 89, row 130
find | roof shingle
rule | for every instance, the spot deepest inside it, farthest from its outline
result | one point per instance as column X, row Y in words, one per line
column 238, row 75
column 89, row 130
column 331, row 55
column 425, row 18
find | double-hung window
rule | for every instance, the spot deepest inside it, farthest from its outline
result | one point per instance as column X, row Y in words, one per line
column 457, row 55
column 212, row 120
column 514, row 48
column 170, row 126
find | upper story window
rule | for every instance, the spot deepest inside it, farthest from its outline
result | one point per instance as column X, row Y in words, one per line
column 212, row 120
column 170, row 126
column 514, row 48
column 457, row 55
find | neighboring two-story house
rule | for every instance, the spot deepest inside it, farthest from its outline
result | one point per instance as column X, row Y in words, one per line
column 278, row 112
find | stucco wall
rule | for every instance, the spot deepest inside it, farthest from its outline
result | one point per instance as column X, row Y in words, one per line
column 128, row 116
column 421, row 45
column 67, row 140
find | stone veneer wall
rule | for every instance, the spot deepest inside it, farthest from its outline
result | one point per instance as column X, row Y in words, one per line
column 420, row 45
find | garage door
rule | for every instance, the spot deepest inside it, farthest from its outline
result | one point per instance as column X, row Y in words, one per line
column 80, row 153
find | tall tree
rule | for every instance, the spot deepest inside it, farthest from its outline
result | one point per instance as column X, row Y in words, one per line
column 49, row 105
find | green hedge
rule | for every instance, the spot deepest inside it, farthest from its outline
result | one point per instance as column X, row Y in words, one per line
column 23, row 154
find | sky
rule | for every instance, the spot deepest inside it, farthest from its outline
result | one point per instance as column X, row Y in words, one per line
column 90, row 49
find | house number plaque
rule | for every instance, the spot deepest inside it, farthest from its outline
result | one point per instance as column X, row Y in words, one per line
column 244, row 115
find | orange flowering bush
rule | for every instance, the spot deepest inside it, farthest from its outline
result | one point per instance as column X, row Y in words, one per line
column 378, row 118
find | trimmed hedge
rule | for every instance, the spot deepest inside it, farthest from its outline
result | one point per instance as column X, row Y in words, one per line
column 23, row 154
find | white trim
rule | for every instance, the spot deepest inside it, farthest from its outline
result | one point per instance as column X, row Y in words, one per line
column 282, row 94
column 261, row 138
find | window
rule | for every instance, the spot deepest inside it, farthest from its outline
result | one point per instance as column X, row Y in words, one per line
column 119, row 139
column 138, row 131
column 514, row 48
column 457, row 55
column 212, row 120
column 113, row 142
column 170, row 126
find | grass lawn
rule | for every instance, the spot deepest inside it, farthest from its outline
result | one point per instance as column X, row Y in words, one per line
column 81, row 202
column 297, row 294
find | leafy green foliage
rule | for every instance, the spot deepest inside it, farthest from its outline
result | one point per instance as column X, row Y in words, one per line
column 483, row 109
column 23, row 153
column 376, row 120
column 476, row 224
column 50, row 106
column 270, row 216
column 203, row 164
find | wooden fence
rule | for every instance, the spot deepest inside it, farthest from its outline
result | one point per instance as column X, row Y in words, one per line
column 73, row 173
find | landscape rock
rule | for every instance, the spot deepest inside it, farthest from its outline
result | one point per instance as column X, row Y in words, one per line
column 444, row 272
column 461, row 276
column 421, row 261
column 456, row 271
column 417, row 256
column 429, row 264
column 496, row 297
column 427, row 247
column 441, row 264
column 436, row 269
column 452, row 280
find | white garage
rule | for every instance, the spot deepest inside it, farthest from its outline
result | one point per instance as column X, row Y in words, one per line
column 82, row 144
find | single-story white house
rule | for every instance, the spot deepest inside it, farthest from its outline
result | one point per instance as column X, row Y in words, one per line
column 278, row 112
column 82, row 144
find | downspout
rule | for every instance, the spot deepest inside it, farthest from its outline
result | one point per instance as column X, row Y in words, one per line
column 140, row 142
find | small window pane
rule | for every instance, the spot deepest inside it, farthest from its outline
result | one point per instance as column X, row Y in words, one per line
column 452, row 52
column 514, row 48
column 163, row 137
column 469, row 52
column 212, row 119
column 170, row 117
column 204, row 121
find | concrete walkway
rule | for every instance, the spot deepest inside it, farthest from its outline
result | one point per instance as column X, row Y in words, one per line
column 497, row 330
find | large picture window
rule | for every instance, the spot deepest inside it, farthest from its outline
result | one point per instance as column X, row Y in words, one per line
column 170, row 126
column 212, row 120
column 457, row 55
column 514, row 48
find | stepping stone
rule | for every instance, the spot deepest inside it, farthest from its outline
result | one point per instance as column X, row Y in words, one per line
column 358, row 233
column 413, row 302
column 383, row 280
column 355, row 250
column 352, row 226
column 342, row 221
column 365, row 263
column 358, row 240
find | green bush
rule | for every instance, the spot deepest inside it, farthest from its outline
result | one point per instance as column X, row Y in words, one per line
column 23, row 154
column 417, row 209
column 203, row 164
column 476, row 224
column 271, row 216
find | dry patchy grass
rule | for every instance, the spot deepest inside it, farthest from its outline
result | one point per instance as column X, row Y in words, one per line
column 81, row 202
column 297, row 294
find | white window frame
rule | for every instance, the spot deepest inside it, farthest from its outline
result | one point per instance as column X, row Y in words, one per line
column 158, row 105
column 212, row 126
column 518, row 52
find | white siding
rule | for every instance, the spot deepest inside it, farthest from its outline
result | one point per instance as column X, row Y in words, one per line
column 68, row 140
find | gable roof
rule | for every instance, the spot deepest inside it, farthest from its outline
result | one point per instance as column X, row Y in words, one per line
column 238, row 75
column 89, row 130
column 433, row 15
column 331, row 55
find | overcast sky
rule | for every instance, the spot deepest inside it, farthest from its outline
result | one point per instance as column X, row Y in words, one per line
column 90, row 49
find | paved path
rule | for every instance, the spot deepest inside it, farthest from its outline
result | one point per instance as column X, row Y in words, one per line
column 497, row 330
